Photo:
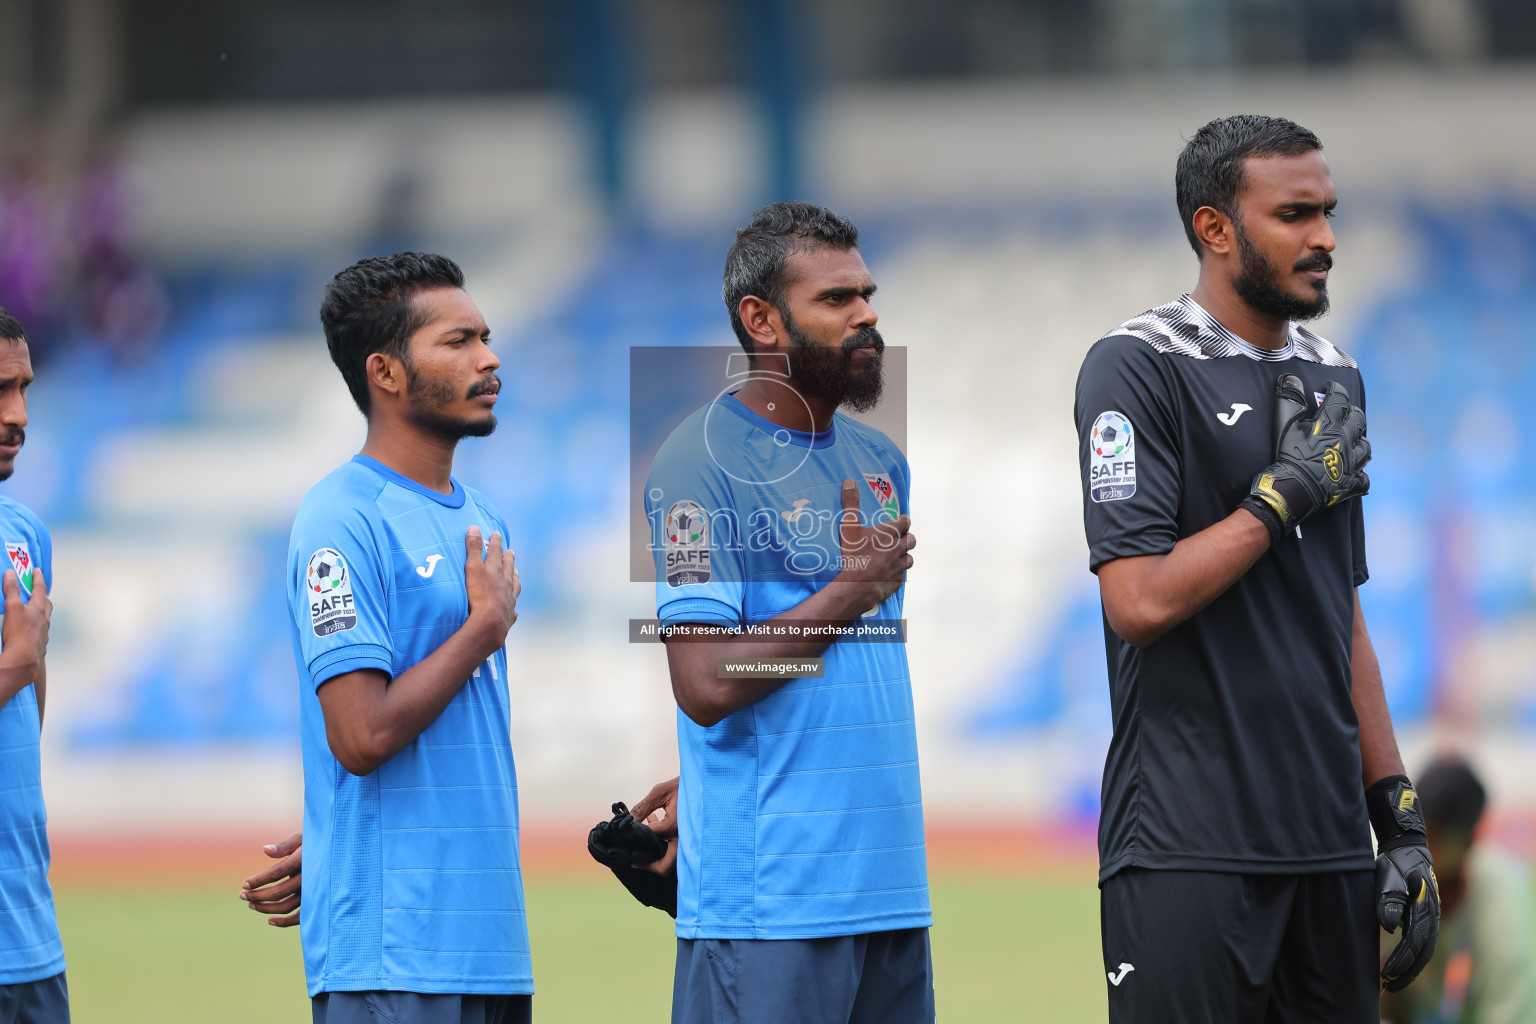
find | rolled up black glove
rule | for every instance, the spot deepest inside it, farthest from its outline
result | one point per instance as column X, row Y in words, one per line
column 1407, row 892
column 1319, row 459
column 626, row 846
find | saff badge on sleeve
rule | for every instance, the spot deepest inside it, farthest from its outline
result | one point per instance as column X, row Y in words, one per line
column 687, row 544
column 328, row 586
column 1111, row 458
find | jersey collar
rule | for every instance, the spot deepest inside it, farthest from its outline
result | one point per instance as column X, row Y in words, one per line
column 1203, row 317
column 454, row 500
column 799, row 438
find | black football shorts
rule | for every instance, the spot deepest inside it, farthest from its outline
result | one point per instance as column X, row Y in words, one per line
column 1200, row 947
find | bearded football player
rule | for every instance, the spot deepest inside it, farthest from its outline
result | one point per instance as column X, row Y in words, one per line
column 1222, row 447
column 802, row 882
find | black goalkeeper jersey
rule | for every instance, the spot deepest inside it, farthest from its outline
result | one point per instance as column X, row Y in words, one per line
column 1236, row 746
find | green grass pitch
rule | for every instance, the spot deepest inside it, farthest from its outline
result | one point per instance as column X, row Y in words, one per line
column 1004, row 949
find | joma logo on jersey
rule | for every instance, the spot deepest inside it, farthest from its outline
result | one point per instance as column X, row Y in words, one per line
column 328, row 588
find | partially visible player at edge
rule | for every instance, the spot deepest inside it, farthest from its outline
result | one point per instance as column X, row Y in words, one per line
column 1221, row 452
column 33, row 989
column 402, row 596
column 802, row 883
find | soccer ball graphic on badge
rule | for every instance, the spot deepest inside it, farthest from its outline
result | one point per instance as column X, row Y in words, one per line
column 687, row 524
column 1111, row 435
column 327, row 571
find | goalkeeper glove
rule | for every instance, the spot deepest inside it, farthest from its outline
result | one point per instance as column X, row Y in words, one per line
column 1409, row 895
column 626, row 846
column 1318, row 460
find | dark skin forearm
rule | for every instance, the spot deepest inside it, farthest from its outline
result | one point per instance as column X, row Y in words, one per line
column 875, row 559
column 370, row 718
column 24, row 637
column 1379, row 757
column 1146, row 596
column 706, row 698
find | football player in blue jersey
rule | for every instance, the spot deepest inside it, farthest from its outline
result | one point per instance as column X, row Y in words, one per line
column 801, row 867
column 32, row 984
column 401, row 596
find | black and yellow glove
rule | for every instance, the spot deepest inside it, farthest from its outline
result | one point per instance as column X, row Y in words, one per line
column 1407, row 891
column 1318, row 459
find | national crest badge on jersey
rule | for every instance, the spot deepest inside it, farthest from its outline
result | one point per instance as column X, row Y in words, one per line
column 885, row 492
column 328, row 587
column 1111, row 458
column 687, row 544
column 21, row 561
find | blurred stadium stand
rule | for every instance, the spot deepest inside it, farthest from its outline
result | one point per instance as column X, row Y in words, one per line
column 1009, row 165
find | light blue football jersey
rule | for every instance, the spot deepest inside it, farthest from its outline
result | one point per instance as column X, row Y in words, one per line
column 29, row 932
column 800, row 815
column 411, row 874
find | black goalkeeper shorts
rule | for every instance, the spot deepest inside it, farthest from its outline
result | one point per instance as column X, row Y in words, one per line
column 1201, row 947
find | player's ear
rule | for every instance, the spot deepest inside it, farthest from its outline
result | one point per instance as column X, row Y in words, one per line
column 1213, row 229
column 761, row 320
column 385, row 372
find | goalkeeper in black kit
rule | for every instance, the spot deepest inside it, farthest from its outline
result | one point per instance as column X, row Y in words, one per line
column 1222, row 448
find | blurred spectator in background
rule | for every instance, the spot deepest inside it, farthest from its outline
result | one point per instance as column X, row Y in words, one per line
column 115, row 296
column 29, row 261
column 1484, row 969
column 68, row 261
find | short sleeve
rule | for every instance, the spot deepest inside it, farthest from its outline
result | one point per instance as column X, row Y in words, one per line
column 1128, row 452
column 696, row 536
column 338, row 595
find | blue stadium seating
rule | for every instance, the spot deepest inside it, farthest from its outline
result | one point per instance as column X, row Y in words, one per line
column 1450, row 358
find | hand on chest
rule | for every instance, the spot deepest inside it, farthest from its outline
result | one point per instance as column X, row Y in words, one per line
column 1229, row 419
column 792, row 538
column 426, row 569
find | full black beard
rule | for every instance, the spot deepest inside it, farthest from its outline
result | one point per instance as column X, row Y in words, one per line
column 1256, row 285
column 429, row 396
column 827, row 374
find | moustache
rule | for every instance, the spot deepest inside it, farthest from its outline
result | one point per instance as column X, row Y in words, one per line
column 1317, row 261
column 869, row 337
column 489, row 386
column 15, row 436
